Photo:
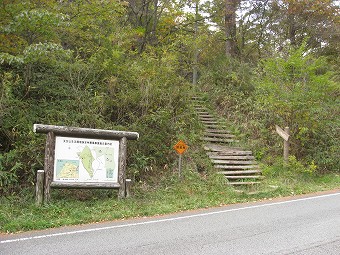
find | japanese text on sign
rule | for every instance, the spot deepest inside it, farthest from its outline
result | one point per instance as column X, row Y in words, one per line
column 181, row 147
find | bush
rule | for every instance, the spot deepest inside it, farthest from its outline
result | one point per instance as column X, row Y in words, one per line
column 298, row 91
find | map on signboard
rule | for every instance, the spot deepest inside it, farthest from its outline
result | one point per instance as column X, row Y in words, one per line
column 86, row 160
column 67, row 168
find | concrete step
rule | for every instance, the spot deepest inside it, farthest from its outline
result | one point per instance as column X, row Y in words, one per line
column 240, row 172
column 233, row 162
column 206, row 118
column 228, row 157
column 218, row 135
column 222, row 150
column 218, row 131
column 213, row 126
column 237, row 167
column 219, row 140
column 243, row 183
column 213, row 122
column 244, row 177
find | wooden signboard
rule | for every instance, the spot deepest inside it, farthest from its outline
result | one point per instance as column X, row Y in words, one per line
column 84, row 158
column 285, row 136
column 282, row 133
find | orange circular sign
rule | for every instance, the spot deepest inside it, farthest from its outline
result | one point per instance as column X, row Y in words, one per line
column 181, row 147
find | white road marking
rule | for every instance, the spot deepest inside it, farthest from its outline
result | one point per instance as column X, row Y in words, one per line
column 165, row 220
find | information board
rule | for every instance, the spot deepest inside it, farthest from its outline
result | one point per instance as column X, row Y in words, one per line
column 85, row 160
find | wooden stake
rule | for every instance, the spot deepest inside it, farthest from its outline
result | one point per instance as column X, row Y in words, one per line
column 49, row 165
column 128, row 184
column 39, row 187
column 286, row 146
column 84, row 132
column 285, row 136
column 122, row 167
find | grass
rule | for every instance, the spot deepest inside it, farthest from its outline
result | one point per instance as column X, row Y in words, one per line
column 71, row 207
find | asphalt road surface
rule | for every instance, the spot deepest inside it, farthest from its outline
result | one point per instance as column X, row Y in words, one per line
column 298, row 225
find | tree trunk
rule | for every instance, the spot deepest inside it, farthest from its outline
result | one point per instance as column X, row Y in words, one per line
column 195, row 64
column 230, row 26
column 291, row 26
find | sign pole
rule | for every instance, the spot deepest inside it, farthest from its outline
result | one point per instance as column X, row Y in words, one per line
column 180, row 148
column 285, row 136
column 286, row 146
column 179, row 165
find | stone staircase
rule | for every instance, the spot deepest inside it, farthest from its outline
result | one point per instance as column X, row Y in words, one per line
column 235, row 163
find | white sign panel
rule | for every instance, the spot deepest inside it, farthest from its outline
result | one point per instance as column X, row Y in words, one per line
column 85, row 160
column 282, row 133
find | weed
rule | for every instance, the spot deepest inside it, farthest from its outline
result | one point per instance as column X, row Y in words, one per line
column 170, row 194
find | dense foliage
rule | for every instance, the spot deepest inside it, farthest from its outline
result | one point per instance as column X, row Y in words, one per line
column 78, row 63
column 128, row 65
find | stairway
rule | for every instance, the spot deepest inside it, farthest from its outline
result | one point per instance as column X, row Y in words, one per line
column 235, row 163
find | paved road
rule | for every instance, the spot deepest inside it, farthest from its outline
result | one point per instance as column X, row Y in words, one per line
column 304, row 225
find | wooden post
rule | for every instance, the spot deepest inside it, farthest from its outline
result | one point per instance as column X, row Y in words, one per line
column 39, row 187
column 122, row 167
column 196, row 52
column 49, row 165
column 285, row 136
column 286, row 146
column 84, row 132
column 128, row 184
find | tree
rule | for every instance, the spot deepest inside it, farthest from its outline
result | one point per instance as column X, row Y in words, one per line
column 145, row 15
column 230, row 27
column 293, row 21
column 297, row 91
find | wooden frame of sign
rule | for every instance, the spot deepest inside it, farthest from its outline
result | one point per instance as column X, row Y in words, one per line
column 78, row 133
